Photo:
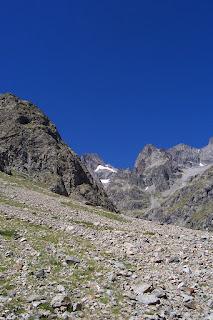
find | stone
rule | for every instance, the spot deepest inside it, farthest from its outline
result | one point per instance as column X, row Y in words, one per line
column 186, row 269
column 60, row 288
column 34, row 297
column 148, row 299
column 210, row 304
column 186, row 298
column 77, row 306
column 72, row 260
column 143, row 288
column 40, row 274
column 190, row 305
column 174, row 260
column 159, row 293
column 61, row 300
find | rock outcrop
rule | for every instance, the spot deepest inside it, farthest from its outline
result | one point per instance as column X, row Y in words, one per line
column 31, row 145
column 206, row 154
column 191, row 205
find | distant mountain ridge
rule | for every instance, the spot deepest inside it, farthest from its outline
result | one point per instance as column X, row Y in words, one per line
column 158, row 175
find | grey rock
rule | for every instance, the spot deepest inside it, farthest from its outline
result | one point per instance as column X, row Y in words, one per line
column 148, row 299
column 4, row 299
column 41, row 274
column 60, row 288
column 174, row 260
column 34, row 297
column 61, row 300
column 77, row 306
column 210, row 304
column 72, row 260
column 159, row 293
column 143, row 288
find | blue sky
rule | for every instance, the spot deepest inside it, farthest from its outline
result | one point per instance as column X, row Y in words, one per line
column 113, row 75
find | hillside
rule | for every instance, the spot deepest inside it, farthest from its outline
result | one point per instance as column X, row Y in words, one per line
column 60, row 259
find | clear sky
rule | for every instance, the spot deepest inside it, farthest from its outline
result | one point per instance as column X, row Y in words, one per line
column 113, row 75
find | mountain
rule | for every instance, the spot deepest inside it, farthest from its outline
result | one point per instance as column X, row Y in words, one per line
column 165, row 185
column 61, row 258
column 30, row 145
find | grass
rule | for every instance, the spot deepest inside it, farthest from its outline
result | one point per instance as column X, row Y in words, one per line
column 2, row 269
column 46, row 306
column 12, row 203
column 103, row 213
column 104, row 300
column 52, row 246
column 88, row 224
column 23, row 180
column 149, row 233
column 201, row 214
column 8, row 233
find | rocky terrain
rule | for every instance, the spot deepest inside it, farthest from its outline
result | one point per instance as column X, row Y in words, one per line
column 172, row 186
column 31, row 145
column 61, row 259
column 66, row 252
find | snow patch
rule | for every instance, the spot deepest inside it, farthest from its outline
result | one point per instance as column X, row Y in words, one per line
column 201, row 164
column 104, row 181
column 100, row 167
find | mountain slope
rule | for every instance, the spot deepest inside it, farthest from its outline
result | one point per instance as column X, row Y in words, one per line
column 190, row 205
column 31, row 145
column 60, row 259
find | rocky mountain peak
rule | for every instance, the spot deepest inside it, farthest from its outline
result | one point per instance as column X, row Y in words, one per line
column 31, row 145
column 184, row 155
column 92, row 160
column 206, row 154
column 98, row 168
column 211, row 141
column 150, row 156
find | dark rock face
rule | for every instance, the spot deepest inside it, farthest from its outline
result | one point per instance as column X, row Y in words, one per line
column 31, row 145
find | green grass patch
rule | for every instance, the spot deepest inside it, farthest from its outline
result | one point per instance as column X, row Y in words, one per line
column 23, row 180
column 149, row 233
column 46, row 306
column 11, row 202
column 104, row 299
column 94, row 210
column 3, row 268
column 8, row 233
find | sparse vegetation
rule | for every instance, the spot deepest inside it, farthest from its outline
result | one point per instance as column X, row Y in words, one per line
column 8, row 233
